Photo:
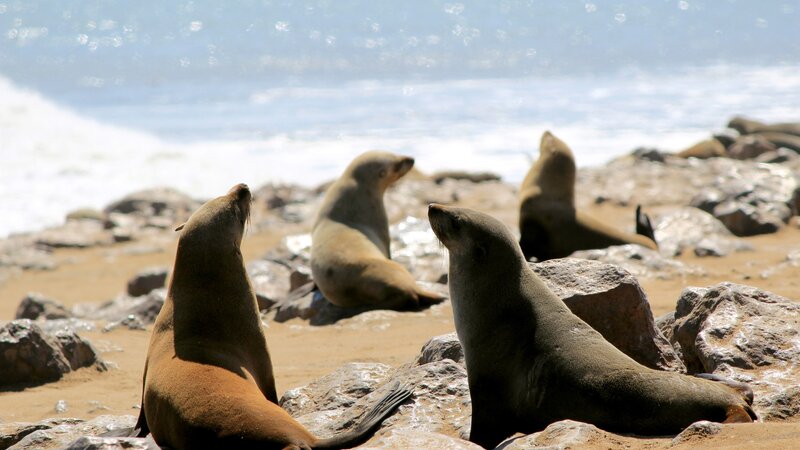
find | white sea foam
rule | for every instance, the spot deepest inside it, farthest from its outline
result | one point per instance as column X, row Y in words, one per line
column 54, row 159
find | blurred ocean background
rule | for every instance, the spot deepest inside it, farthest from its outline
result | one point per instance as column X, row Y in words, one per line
column 101, row 98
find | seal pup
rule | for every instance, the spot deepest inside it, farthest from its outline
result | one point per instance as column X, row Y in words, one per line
column 549, row 224
column 208, row 380
column 709, row 148
column 350, row 255
column 531, row 361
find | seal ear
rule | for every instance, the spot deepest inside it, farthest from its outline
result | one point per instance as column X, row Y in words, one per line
column 180, row 227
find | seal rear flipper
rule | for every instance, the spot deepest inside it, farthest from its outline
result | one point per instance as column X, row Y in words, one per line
column 740, row 414
column 742, row 388
column 367, row 425
column 644, row 226
column 426, row 298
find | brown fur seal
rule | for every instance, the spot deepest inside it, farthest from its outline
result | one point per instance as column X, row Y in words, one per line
column 709, row 148
column 777, row 139
column 748, row 126
column 208, row 379
column 350, row 256
column 549, row 223
column 531, row 361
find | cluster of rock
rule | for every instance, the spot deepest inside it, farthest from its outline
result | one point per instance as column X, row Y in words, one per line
column 735, row 331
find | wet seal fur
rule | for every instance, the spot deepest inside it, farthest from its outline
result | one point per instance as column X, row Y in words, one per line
column 550, row 225
column 531, row 361
column 208, row 380
column 350, row 256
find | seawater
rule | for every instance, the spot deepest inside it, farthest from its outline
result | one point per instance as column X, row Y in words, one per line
column 59, row 155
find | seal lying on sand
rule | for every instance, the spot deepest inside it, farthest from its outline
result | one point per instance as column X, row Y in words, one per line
column 531, row 361
column 549, row 223
column 350, row 255
column 748, row 126
column 208, row 380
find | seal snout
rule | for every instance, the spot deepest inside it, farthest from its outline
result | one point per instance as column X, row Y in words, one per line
column 241, row 195
column 439, row 218
column 404, row 165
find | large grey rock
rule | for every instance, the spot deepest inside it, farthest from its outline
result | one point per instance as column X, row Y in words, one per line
column 29, row 355
column 22, row 252
column 416, row 247
column 271, row 279
column 697, row 431
column 75, row 234
column 641, row 262
column 440, row 403
column 611, row 301
column 768, row 189
column 746, row 219
column 108, row 443
column 745, row 334
column 693, row 229
column 567, row 434
column 135, row 312
column 446, row 346
column 163, row 202
column 36, row 305
column 13, row 432
column 60, row 433
column 402, row 438
column 147, row 280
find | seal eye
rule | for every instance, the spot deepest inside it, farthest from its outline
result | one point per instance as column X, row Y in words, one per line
column 382, row 173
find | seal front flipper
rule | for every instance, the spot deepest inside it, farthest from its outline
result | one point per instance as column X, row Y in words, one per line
column 644, row 226
column 366, row 426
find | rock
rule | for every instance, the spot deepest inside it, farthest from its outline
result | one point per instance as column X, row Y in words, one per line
column 649, row 154
column 339, row 389
column 147, row 280
column 691, row 228
column 300, row 276
column 745, row 334
column 611, row 301
column 23, row 252
column 87, row 214
column 11, row 433
column 271, row 279
column 164, row 202
column 60, row 433
column 696, row 432
column 36, row 305
column 768, row 188
column 415, row 246
column 446, row 346
column 105, row 443
column 641, row 262
column 145, row 308
column 29, row 355
column 744, row 219
column 440, row 403
column 276, row 196
column 567, row 434
column 402, row 438
column 75, row 234
column 473, row 177
column 61, row 406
